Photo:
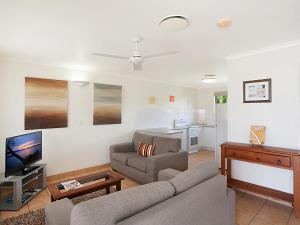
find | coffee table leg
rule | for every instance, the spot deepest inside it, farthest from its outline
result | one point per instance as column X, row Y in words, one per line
column 118, row 186
column 107, row 190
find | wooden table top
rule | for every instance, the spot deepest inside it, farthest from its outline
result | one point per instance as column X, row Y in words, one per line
column 109, row 179
column 271, row 149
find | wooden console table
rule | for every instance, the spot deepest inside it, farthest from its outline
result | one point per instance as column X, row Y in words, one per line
column 271, row 156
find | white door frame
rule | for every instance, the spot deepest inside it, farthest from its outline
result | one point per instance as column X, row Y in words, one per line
column 216, row 124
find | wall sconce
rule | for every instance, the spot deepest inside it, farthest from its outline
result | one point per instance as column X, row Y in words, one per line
column 81, row 83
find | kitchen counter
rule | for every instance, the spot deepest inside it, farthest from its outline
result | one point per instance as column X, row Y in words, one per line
column 170, row 131
column 206, row 125
column 163, row 131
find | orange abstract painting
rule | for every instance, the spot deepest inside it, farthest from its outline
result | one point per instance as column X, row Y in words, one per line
column 46, row 103
column 172, row 98
column 257, row 135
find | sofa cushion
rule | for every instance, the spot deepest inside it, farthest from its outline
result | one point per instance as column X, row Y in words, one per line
column 139, row 163
column 194, row 176
column 115, row 207
column 141, row 138
column 59, row 212
column 146, row 149
column 123, row 157
column 204, row 204
column 168, row 174
column 164, row 144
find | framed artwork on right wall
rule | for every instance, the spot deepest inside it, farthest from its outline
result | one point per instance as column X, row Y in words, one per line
column 257, row 91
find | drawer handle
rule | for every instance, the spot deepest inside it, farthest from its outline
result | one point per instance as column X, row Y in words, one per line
column 278, row 161
column 233, row 154
column 257, row 158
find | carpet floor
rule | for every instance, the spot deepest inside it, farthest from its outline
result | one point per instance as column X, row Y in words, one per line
column 37, row 217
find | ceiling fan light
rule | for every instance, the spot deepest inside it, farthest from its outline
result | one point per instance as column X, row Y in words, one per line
column 209, row 79
column 174, row 23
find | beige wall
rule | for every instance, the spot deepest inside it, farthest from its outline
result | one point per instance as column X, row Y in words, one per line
column 82, row 144
column 281, row 117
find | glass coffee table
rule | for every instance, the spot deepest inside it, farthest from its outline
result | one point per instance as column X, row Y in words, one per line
column 88, row 184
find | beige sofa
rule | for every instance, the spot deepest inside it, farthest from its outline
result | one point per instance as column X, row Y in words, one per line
column 198, row 196
column 124, row 158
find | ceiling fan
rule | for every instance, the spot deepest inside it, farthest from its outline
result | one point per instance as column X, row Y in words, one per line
column 137, row 59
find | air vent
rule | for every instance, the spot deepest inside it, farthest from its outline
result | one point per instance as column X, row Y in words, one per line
column 174, row 23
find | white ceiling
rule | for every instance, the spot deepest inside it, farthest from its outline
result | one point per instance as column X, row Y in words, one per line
column 66, row 32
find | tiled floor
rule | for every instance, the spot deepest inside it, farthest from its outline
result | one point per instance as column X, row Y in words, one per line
column 250, row 210
column 201, row 156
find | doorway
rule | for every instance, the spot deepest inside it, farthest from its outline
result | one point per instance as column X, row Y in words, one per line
column 221, row 99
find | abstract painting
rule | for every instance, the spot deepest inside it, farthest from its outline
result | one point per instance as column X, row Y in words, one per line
column 46, row 103
column 107, row 104
column 172, row 98
column 152, row 100
column 257, row 135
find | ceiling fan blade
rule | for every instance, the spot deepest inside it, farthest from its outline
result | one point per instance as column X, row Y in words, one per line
column 110, row 56
column 160, row 54
column 137, row 66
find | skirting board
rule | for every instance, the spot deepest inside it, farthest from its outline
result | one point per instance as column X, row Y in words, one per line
column 207, row 148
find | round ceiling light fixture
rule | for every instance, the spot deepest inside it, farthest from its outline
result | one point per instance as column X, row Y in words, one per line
column 209, row 79
column 174, row 23
column 224, row 22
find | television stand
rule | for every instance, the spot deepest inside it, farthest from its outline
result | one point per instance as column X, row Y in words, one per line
column 29, row 169
column 16, row 191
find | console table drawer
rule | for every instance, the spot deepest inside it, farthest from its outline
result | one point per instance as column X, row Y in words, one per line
column 278, row 160
column 274, row 159
column 238, row 154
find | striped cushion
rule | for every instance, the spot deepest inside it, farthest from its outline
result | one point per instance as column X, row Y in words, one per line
column 146, row 149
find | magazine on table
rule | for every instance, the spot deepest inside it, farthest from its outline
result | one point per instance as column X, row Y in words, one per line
column 71, row 184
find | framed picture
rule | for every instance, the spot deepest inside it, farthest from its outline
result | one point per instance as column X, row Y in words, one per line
column 46, row 103
column 107, row 104
column 257, row 91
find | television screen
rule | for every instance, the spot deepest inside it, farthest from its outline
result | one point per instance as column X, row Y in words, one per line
column 22, row 151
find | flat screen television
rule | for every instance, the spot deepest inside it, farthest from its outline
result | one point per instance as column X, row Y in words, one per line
column 21, row 152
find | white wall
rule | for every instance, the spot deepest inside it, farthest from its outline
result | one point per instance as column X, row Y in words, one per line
column 82, row 144
column 206, row 104
column 281, row 117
